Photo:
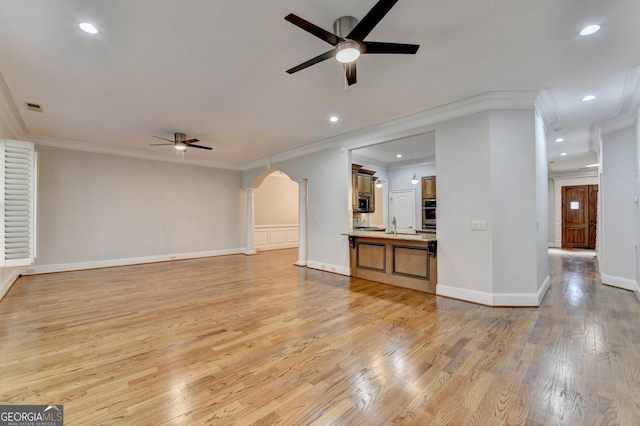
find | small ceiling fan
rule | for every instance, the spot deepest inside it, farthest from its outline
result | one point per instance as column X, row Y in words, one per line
column 180, row 143
column 349, row 39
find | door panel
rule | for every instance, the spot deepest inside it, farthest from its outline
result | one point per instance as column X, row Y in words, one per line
column 403, row 207
column 593, row 215
column 579, row 207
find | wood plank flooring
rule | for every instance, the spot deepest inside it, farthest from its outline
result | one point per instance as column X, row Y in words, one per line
column 256, row 340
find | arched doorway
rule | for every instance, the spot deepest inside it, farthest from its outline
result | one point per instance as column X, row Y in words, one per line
column 277, row 214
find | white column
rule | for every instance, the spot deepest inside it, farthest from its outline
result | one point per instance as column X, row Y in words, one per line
column 250, row 247
column 302, row 224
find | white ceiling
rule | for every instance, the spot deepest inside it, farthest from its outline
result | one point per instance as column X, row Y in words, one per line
column 215, row 70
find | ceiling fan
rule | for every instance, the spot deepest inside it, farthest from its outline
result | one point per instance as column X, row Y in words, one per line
column 180, row 143
column 349, row 39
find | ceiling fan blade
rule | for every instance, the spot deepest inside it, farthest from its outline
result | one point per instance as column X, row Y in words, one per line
column 156, row 144
column 371, row 19
column 320, row 58
column 325, row 35
column 191, row 141
column 377, row 47
column 350, row 71
column 158, row 137
column 199, row 146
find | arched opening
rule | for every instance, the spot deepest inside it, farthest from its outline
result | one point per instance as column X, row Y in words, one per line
column 277, row 214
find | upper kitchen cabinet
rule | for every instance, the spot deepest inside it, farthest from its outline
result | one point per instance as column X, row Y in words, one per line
column 363, row 190
column 428, row 187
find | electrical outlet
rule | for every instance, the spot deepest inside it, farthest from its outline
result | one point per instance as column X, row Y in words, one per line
column 479, row 225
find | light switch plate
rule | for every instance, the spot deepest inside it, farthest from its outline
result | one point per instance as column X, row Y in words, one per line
column 479, row 225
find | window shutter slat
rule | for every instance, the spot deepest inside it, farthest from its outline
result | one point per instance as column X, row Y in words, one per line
column 18, row 208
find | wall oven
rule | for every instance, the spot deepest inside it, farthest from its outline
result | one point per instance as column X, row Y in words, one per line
column 429, row 214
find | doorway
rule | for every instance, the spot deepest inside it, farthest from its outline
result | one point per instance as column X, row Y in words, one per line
column 403, row 208
column 579, row 216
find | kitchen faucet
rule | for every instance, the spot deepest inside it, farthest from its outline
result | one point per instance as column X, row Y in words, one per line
column 393, row 226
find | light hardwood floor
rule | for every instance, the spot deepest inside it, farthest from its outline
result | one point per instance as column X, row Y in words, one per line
column 256, row 340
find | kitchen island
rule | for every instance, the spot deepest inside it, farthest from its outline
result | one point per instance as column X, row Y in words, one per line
column 404, row 260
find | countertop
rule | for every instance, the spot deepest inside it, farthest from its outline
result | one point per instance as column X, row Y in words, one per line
column 389, row 236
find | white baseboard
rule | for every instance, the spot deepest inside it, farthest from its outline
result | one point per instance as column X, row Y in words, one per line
column 277, row 246
column 336, row 269
column 7, row 277
column 475, row 296
column 64, row 267
column 495, row 299
column 624, row 283
column 542, row 291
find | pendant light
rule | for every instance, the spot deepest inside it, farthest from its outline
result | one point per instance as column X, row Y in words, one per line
column 378, row 183
column 414, row 180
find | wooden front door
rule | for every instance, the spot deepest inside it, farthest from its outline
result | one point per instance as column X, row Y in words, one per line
column 579, row 216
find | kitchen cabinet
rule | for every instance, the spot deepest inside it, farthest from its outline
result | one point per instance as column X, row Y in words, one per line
column 428, row 187
column 362, row 188
column 365, row 184
column 354, row 190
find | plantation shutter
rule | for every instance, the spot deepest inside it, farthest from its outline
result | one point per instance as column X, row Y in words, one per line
column 18, row 209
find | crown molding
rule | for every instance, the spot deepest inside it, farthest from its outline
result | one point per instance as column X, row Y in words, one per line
column 123, row 152
column 630, row 101
column 9, row 112
column 546, row 106
column 406, row 126
column 616, row 123
column 582, row 173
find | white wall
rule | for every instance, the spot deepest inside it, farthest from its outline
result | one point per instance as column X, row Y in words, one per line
column 617, row 262
column 98, row 209
column 637, row 199
column 465, row 257
column 542, row 203
column 488, row 168
column 550, row 207
column 514, row 197
column 276, row 201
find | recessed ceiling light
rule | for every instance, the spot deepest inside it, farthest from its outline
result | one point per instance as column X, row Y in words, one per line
column 589, row 30
column 88, row 28
column 592, row 165
column 563, row 153
column 333, row 118
column 398, row 155
column 588, row 98
column 559, row 140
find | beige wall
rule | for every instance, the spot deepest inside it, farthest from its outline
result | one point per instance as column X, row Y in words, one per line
column 97, row 207
column 276, row 201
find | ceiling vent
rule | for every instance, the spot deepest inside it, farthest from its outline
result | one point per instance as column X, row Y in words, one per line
column 34, row 107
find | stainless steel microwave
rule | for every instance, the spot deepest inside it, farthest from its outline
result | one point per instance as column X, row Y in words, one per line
column 364, row 204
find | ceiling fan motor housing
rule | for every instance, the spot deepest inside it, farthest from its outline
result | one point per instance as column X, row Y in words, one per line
column 343, row 26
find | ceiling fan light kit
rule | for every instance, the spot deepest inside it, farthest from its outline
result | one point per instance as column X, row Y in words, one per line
column 180, row 143
column 348, row 39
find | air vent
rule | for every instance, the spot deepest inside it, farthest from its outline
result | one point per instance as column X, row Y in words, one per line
column 34, row 107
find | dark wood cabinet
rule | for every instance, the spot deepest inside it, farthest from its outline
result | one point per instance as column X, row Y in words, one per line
column 362, row 187
column 428, row 187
